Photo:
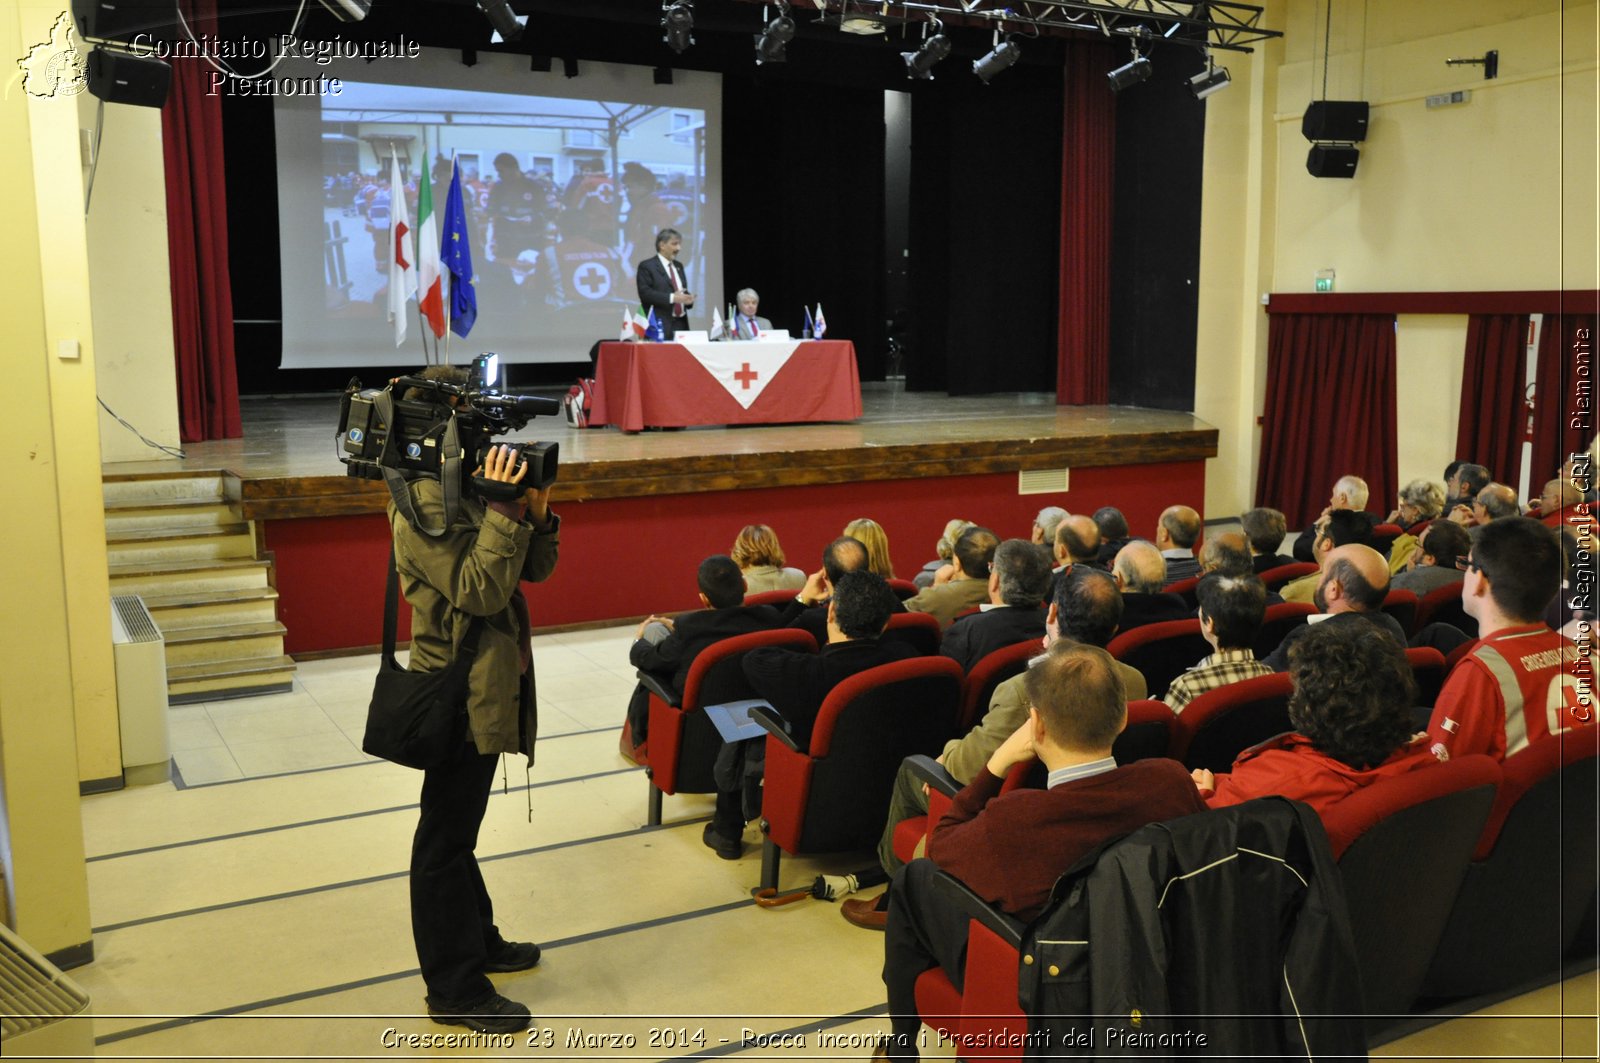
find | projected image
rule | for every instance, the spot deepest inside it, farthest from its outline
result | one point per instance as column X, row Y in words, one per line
column 563, row 198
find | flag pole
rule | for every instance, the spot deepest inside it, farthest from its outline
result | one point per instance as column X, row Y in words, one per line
column 455, row 179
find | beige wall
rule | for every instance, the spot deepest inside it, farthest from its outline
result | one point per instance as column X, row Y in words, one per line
column 1499, row 193
column 54, row 633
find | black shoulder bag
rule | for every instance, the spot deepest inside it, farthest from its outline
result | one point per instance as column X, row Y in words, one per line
column 417, row 718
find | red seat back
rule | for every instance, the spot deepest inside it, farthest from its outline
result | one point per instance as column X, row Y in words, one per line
column 990, row 671
column 1442, row 605
column 1428, row 669
column 1217, row 726
column 1277, row 577
column 920, row 630
column 1161, row 652
column 903, row 588
column 1402, row 605
column 1147, row 734
column 778, row 597
column 1279, row 620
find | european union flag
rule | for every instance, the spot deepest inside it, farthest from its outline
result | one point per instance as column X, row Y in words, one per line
column 455, row 257
column 653, row 329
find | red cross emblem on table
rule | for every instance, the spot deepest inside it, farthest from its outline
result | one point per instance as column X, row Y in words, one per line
column 745, row 376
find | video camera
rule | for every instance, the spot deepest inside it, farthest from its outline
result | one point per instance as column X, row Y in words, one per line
column 441, row 439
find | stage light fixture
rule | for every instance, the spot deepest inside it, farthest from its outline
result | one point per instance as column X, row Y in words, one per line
column 920, row 63
column 1003, row 56
column 772, row 43
column 677, row 24
column 1212, row 79
column 1131, row 73
column 348, row 10
column 661, row 75
column 569, row 67
column 507, row 25
column 469, row 57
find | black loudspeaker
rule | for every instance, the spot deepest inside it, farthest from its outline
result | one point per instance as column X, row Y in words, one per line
column 1332, row 160
column 119, row 78
column 1342, row 120
column 123, row 20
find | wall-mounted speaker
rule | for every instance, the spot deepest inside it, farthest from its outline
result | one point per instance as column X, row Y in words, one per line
column 1332, row 160
column 1342, row 120
column 122, row 20
column 120, row 78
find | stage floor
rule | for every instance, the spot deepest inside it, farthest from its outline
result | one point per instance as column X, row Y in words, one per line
column 286, row 464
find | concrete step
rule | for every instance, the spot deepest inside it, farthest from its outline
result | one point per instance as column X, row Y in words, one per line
column 232, row 678
column 167, row 579
column 224, row 643
column 149, row 489
column 257, row 605
column 123, row 520
column 188, row 544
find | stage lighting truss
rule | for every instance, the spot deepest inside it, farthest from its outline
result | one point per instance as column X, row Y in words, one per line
column 772, row 43
column 1214, row 24
column 677, row 24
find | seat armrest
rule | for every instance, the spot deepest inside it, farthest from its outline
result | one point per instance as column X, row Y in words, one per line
column 925, row 769
column 658, row 686
column 955, row 892
column 774, row 724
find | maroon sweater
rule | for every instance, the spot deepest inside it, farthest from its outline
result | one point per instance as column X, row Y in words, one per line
column 1011, row 848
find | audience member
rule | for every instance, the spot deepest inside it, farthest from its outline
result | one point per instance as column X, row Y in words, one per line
column 969, row 586
column 1011, row 849
column 943, row 551
column 1522, row 681
column 1559, row 502
column 1339, row 527
column 1433, row 563
column 1349, row 492
column 761, row 561
column 1266, row 529
column 876, row 540
column 1018, row 580
column 1077, row 542
column 1141, row 572
column 1354, row 581
column 1231, row 611
column 1176, row 533
column 667, row 648
column 1462, row 487
column 1351, row 710
column 795, row 684
column 809, row 610
column 1085, row 610
column 1045, row 524
column 1114, row 534
column 1421, row 501
column 1493, row 502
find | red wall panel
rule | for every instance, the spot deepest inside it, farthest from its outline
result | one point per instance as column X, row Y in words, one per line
column 628, row 557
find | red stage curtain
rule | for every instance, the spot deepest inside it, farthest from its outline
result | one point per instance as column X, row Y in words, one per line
column 1564, row 412
column 197, row 248
column 1493, row 414
column 1088, row 148
column 1330, row 410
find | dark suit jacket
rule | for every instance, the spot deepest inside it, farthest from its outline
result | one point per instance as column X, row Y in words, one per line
column 1278, row 659
column 1141, row 609
column 1267, row 562
column 655, row 290
column 693, row 632
column 797, row 683
column 971, row 638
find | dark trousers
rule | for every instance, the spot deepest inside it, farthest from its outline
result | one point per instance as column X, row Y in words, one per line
column 923, row 932
column 452, row 919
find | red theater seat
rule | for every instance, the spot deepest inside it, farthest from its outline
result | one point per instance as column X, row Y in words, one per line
column 992, row 670
column 920, row 630
column 1275, row 578
column 1217, row 726
column 1161, row 652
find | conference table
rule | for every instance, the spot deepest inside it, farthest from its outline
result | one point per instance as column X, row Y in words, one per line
column 675, row 385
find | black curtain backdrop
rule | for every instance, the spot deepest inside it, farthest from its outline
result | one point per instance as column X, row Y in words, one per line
column 985, row 231
column 803, row 217
column 1155, row 241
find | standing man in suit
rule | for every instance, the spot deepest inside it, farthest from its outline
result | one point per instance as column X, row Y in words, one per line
column 664, row 286
column 747, row 324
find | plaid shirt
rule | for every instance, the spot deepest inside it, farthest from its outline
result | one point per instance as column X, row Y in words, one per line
column 1217, row 670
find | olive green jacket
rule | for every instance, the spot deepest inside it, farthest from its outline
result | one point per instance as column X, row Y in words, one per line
column 474, row 569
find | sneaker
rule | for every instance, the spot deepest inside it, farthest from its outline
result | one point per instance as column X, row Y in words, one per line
column 512, row 956
column 725, row 847
column 493, row 1014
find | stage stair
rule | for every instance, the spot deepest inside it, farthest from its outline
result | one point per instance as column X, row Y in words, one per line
column 177, row 541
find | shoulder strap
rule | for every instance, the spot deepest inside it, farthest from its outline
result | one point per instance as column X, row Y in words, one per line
column 400, row 488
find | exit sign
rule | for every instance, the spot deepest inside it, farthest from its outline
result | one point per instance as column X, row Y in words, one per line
column 1324, row 280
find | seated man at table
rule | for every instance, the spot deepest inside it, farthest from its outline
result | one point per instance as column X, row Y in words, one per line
column 1010, row 848
column 747, row 324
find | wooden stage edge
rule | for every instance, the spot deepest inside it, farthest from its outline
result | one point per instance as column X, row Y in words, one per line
column 285, row 468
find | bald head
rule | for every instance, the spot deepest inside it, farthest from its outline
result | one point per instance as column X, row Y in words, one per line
column 1355, row 579
column 1559, row 494
column 1497, row 501
column 1077, row 539
column 1228, row 553
column 1140, row 568
column 1180, row 525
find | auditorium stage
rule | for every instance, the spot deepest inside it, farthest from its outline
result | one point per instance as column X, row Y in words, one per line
column 640, row 511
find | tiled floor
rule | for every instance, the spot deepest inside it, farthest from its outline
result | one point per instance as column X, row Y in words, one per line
column 267, row 916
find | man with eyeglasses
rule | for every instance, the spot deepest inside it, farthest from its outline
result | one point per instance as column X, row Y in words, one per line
column 1522, row 682
column 1434, row 563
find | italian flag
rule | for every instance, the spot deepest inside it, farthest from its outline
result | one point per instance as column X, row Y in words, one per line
column 430, row 290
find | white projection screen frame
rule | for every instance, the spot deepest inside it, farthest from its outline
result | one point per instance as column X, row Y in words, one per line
column 601, row 162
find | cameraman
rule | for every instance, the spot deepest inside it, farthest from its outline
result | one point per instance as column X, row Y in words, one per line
column 473, row 570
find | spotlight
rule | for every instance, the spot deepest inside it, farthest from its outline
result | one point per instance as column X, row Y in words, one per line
column 1003, row 56
column 348, row 10
column 1139, row 69
column 1212, row 79
column 772, row 42
column 677, row 20
column 661, row 75
column 569, row 67
column 920, row 63
column 507, row 26
column 469, row 57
